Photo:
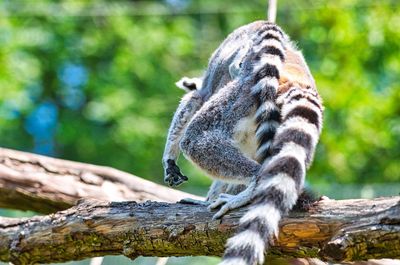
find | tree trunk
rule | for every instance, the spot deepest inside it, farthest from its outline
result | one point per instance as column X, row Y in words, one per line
column 46, row 185
column 345, row 230
column 333, row 230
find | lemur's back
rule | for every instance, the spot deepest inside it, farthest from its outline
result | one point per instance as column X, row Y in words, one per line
column 225, row 61
column 224, row 66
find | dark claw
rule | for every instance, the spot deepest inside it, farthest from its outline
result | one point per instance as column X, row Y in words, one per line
column 174, row 175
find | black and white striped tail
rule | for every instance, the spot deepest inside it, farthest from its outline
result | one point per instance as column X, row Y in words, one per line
column 269, row 54
column 282, row 177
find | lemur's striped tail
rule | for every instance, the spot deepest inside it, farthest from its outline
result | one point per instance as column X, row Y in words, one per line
column 269, row 53
column 290, row 148
column 281, row 179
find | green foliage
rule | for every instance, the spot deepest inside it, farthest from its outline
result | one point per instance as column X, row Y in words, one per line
column 93, row 81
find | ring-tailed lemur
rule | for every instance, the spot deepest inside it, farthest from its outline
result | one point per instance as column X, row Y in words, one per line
column 253, row 126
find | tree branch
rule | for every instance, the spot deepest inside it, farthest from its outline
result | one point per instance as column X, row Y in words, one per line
column 46, row 185
column 335, row 230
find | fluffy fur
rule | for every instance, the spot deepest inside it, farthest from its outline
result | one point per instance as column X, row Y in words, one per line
column 253, row 126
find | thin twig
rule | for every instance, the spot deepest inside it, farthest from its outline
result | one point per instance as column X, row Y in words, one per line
column 272, row 6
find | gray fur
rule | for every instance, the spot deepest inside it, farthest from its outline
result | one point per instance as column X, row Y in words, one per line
column 222, row 67
column 254, row 138
column 207, row 140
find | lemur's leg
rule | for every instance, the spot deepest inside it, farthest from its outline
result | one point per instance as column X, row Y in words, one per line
column 189, row 105
column 216, row 188
column 213, row 150
column 235, row 188
column 281, row 179
column 234, row 193
column 216, row 155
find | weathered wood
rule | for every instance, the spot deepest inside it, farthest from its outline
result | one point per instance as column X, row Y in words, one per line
column 46, row 185
column 333, row 230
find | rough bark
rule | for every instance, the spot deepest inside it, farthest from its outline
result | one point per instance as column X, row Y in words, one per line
column 46, row 185
column 332, row 230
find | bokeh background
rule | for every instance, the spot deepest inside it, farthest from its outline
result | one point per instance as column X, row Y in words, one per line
column 93, row 81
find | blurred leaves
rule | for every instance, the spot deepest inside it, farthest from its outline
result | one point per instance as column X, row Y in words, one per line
column 93, row 81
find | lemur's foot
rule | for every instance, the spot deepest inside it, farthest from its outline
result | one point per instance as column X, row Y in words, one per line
column 231, row 202
column 194, row 202
column 173, row 175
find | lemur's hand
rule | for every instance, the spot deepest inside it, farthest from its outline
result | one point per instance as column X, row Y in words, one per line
column 173, row 176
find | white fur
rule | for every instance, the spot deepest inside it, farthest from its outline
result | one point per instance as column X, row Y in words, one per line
column 268, row 42
column 267, row 106
column 283, row 97
column 268, row 213
column 262, row 148
column 270, row 59
column 272, row 32
column 305, row 92
column 249, row 238
column 197, row 81
column 285, row 184
column 301, row 124
column 244, row 137
column 271, row 81
column 303, row 102
column 293, row 150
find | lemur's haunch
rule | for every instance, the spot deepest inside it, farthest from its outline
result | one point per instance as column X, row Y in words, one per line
column 252, row 124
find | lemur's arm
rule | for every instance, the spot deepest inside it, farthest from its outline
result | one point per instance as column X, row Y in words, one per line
column 189, row 105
